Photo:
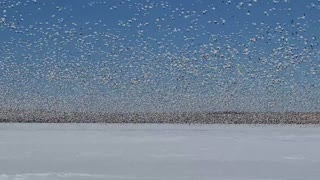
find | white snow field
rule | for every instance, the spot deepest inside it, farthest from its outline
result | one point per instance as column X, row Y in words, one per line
column 158, row 152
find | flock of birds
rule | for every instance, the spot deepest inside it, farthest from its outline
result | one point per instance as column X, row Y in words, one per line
column 159, row 51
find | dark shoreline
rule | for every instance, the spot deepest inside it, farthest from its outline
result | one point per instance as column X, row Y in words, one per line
column 40, row 116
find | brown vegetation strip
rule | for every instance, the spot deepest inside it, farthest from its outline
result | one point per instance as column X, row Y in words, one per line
column 22, row 116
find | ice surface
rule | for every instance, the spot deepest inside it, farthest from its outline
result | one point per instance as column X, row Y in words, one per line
column 154, row 152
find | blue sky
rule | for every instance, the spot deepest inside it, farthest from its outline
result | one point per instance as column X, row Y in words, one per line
column 150, row 55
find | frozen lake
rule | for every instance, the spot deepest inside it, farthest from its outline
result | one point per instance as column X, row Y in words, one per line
column 158, row 152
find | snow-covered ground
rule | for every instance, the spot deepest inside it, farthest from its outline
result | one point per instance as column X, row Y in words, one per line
column 154, row 152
